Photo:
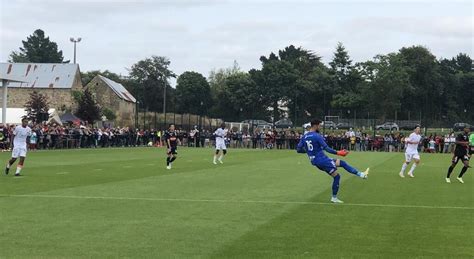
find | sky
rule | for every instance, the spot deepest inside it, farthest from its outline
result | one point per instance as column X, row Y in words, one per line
column 203, row 35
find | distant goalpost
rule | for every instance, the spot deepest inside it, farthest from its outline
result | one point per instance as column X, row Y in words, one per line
column 239, row 126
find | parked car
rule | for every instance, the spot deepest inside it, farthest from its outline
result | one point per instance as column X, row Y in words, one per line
column 329, row 125
column 461, row 125
column 284, row 123
column 387, row 126
column 344, row 125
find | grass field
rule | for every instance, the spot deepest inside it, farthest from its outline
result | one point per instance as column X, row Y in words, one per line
column 123, row 203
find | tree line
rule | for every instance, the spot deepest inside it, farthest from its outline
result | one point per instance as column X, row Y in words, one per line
column 410, row 83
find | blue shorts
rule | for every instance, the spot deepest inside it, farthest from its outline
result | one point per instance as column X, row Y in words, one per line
column 325, row 164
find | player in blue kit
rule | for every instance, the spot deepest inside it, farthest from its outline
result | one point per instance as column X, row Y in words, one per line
column 313, row 144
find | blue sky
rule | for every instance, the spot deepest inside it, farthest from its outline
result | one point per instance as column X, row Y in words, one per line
column 202, row 35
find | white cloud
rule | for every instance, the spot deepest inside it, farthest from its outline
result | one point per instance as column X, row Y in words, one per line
column 204, row 34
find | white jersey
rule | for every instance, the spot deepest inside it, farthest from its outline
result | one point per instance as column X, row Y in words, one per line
column 413, row 148
column 220, row 134
column 21, row 134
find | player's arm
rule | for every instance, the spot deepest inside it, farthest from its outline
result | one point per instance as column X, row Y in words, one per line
column 300, row 148
column 408, row 141
column 167, row 140
column 460, row 141
column 328, row 149
column 28, row 142
column 13, row 137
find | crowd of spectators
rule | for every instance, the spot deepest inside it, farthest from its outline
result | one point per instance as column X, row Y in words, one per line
column 53, row 136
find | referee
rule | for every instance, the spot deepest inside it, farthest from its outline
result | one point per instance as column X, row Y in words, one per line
column 461, row 152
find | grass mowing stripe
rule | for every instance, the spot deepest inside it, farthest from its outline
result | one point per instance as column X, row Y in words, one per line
column 237, row 201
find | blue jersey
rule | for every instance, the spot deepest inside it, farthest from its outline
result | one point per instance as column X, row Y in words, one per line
column 314, row 145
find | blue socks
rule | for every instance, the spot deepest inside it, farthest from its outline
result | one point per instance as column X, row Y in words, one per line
column 348, row 168
column 335, row 185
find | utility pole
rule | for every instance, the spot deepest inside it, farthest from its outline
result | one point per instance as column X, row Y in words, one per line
column 75, row 41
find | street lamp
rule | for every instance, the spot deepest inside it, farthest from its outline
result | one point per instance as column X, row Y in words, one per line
column 200, row 115
column 75, row 41
column 137, row 105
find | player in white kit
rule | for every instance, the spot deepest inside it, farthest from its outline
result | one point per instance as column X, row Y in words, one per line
column 220, row 135
column 20, row 142
column 411, row 152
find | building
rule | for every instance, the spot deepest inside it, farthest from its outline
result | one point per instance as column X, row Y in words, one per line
column 56, row 81
column 113, row 96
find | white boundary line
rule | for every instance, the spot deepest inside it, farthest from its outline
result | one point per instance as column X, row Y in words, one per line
column 236, row 201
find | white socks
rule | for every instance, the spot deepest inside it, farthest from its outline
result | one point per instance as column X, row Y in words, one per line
column 412, row 169
column 404, row 167
column 18, row 169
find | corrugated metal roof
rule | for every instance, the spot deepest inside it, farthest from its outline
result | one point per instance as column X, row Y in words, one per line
column 119, row 89
column 40, row 75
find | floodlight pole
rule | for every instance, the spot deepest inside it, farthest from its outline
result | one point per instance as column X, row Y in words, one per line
column 75, row 41
column 4, row 101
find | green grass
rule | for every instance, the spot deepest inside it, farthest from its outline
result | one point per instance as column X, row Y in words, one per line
column 123, row 203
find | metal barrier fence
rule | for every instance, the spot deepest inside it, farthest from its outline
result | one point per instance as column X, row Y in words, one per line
column 380, row 144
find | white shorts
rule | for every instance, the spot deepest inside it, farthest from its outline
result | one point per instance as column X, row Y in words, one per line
column 410, row 156
column 19, row 152
column 220, row 145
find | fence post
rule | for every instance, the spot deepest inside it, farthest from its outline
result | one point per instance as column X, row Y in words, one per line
column 189, row 122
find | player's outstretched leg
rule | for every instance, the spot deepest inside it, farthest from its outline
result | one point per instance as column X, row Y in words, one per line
column 335, row 187
column 20, row 166
column 215, row 156
column 463, row 170
column 450, row 170
column 412, row 169
column 352, row 170
column 168, row 161
column 173, row 157
column 404, row 167
column 9, row 164
column 224, row 152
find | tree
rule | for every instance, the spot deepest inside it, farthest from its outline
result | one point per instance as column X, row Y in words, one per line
column 425, row 80
column 244, row 102
column 149, row 79
column 109, row 114
column 293, row 79
column 37, row 107
column 311, row 83
column 386, row 80
column 219, row 91
column 193, row 93
column 38, row 49
column 88, row 110
column 464, row 63
column 274, row 81
column 345, row 80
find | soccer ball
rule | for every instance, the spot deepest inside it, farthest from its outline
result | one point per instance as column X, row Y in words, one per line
column 150, row 144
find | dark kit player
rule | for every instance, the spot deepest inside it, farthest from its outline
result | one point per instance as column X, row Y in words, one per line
column 461, row 152
column 171, row 139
